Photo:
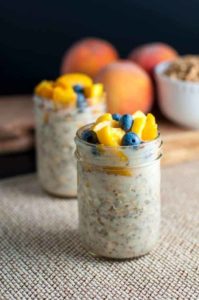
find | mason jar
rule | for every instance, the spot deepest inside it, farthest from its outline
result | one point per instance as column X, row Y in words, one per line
column 55, row 131
column 118, row 197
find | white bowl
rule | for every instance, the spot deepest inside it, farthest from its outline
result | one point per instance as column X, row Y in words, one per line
column 178, row 100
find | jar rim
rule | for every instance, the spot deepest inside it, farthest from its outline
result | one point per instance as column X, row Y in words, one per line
column 79, row 138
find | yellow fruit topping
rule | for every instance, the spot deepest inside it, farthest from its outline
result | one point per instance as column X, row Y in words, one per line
column 74, row 79
column 72, row 88
column 109, row 136
column 104, row 117
column 106, row 131
column 44, row 89
column 95, row 90
column 63, row 96
column 138, row 114
column 138, row 125
column 150, row 131
column 97, row 126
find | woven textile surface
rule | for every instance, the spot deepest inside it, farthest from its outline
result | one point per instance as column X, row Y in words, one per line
column 41, row 256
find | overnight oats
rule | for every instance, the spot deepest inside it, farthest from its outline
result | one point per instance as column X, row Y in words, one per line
column 119, row 185
column 61, row 108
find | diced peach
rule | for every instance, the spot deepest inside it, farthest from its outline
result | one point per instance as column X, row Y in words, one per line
column 44, row 89
column 95, row 90
column 104, row 117
column 99, row 125
column 138, row 114
column 150, row 131
column 64, row 96
column 138, row 125
column 109, row 136
column 69, row 80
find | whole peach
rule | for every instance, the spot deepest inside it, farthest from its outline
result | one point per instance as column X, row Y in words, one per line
column 88, row 56
column 149, row 55
column 128, row 87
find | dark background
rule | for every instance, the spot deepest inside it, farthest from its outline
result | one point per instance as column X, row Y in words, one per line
column 35, row 34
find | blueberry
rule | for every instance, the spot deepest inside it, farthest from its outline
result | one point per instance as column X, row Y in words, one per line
column 78, row 89
column 90, row 136
column 126, row 122
column 95, row 151
column 130, row 139
column 116, row 117
column 81, row 102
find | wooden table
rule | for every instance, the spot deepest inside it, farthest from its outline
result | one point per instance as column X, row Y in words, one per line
column 16, row 121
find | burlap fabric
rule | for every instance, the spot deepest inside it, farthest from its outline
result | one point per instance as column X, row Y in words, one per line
column 41, row 256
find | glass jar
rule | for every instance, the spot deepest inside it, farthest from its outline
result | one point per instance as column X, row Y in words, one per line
column 118, row 197
column 55, row 131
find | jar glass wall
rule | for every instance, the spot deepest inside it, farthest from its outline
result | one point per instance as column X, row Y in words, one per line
column 55, row 132
column 118, row 198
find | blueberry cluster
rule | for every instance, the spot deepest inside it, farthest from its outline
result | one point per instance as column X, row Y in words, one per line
column 81, row 99
column 125, row 122
column 130, row 138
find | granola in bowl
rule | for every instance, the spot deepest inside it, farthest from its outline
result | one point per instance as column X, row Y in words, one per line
column 184, row 68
